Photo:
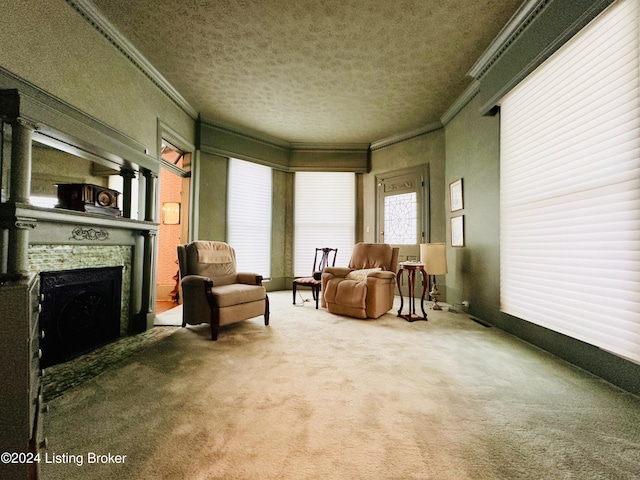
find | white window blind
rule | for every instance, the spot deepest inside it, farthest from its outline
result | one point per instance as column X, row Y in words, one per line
column 249, row 216
column 570, row 188
column 325, row 212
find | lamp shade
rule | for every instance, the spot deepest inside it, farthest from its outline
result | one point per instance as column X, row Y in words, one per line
column 434, row 257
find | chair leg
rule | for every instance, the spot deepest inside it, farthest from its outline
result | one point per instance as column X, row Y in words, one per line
column 294, row 292
column 316, row 289
column 214, row 313
column 266, row 310
column 215, row 324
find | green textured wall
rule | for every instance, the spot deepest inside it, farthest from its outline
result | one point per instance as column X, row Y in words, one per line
column 282, row 231
column 473, row 154
column 212, row 198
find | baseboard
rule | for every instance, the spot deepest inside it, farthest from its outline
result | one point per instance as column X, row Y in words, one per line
column 614, row 369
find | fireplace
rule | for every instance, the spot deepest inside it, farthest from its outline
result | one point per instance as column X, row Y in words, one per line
column 80, row 311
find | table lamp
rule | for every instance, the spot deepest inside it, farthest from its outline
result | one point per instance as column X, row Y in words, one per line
column 434, row 257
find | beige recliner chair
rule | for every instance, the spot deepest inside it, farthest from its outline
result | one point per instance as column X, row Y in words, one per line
column 212, row 290
column 365, row 289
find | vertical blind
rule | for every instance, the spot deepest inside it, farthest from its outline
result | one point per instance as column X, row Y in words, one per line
column 570, row 188
column 249, row 216
column 325, row 211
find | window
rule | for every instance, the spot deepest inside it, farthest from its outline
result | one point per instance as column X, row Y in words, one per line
column 325, row 216
column 249, row 216
column 570, row 188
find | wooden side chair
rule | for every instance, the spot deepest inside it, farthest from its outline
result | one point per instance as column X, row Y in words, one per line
column 315, row 280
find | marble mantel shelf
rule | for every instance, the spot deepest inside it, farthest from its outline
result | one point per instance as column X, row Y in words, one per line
column 60, row 226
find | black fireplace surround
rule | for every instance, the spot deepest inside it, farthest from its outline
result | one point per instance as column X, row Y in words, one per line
column 80, row 311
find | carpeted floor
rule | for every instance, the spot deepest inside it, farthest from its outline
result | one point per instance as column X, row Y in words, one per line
column 320, row 396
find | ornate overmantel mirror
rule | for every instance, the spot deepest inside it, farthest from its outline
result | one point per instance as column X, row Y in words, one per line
column 107, row 182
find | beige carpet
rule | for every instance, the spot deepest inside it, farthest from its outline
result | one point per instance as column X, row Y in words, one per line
column 319, row 396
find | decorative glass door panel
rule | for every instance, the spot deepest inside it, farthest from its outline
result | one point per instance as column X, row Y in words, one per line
column 400, row 219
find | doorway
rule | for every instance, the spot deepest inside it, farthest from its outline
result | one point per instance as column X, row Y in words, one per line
column 402, row 210
column 174, row 193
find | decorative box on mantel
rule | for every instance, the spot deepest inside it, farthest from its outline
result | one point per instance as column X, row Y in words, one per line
column 85, row 197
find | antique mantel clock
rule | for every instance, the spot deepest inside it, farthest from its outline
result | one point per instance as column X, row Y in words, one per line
column 85, row 197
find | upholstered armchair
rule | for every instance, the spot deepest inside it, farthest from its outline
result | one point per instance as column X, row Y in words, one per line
column 212, row 290
column 365, row 288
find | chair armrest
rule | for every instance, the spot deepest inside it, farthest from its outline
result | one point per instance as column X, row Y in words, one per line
column 249, row 278
column 383, row 274
column 336, row 271
column 379, row 279
column 197, row 299
column 196, row 280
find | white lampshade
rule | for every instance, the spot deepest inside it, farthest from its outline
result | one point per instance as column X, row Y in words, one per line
column 434, row 257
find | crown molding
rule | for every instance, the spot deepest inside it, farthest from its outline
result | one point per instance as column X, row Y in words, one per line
column 471, row 91
column 247, row 133
column 401, row 137
column 90, row 13
column 558, row 36
column 514, row 27
column 333, row 147
column 283, row 144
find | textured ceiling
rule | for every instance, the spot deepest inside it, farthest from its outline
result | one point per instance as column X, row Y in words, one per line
column 314, row 71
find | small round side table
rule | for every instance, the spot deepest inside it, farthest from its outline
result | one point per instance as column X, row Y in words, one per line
column 411, row 268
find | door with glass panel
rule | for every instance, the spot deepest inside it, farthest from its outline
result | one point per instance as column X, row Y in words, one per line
column 402, row 210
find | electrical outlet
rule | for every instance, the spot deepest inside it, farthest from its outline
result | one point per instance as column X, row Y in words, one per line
column 465, row 303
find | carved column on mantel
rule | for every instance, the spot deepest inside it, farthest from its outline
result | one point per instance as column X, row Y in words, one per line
column 151, row 188
column 19, row 193
column 20, row 181
column 144, row 318
column 15, row 241
column 127, row 178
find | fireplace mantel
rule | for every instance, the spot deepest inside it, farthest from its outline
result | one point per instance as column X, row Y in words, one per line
column 34, row 115
column 56, row 226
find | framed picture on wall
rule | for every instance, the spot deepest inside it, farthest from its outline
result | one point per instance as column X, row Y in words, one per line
column 456, row 199
column 171, row 213
column 457, row 231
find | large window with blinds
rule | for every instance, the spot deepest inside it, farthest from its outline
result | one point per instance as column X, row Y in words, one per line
column 249, row 216
column 325, row 216
column 570, row 188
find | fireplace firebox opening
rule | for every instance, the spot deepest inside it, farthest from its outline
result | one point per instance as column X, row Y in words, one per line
column 80, row 311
